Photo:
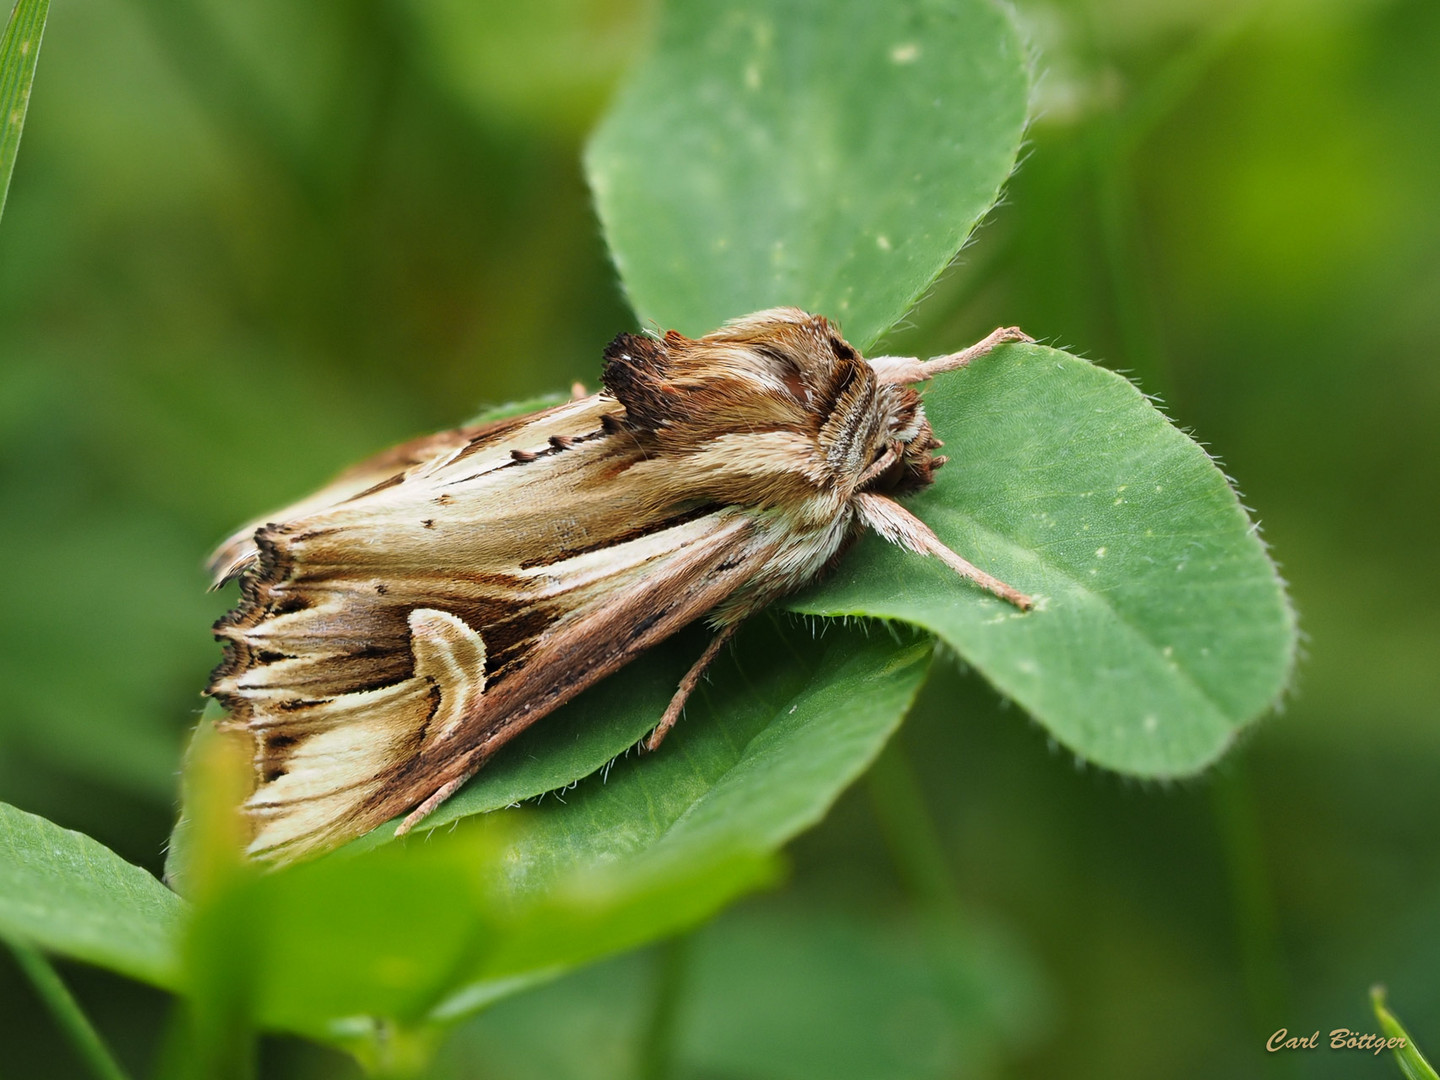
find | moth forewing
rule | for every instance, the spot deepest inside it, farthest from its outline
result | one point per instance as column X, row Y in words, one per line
column 400, row 626
column 488, row 444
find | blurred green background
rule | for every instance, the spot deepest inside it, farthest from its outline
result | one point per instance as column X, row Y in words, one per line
column 246, row 244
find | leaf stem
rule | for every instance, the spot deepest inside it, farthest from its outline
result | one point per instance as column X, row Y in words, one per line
column 657, row 1052
column 1238, row 828
column 910, row 832
column 67, row 1012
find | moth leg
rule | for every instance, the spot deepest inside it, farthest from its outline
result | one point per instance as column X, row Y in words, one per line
column 908, row 369
column 687, row 686
column 896, row 524
column 424, row 810
column 951, row 361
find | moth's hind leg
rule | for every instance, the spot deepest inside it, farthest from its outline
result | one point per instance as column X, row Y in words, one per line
column 421, row 812
column 687, row 686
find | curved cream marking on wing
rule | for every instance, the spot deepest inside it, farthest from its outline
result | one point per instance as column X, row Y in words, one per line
column 452, row 656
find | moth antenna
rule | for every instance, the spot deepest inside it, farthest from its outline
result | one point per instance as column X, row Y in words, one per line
column 897, row 525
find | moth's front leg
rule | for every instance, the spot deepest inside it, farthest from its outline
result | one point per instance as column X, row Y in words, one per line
column 909, row 369
column 687, row 686
column 896, row 524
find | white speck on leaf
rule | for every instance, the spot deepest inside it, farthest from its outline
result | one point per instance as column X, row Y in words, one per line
column 882, row 242
column 1099, row 553
column 906, row 53
column 1150, row 724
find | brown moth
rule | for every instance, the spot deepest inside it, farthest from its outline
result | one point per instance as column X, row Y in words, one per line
column 398, row 627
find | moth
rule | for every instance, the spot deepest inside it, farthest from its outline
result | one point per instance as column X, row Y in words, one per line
column 398, row 627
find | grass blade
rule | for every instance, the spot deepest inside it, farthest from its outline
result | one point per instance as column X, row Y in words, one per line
column 19, row 50
column 1407, row 1055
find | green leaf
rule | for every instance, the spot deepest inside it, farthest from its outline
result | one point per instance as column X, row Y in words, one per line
column 768, row 155
column 1407, row 1055
column 1161, row 626
column 19, row 53
column 66, row 893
